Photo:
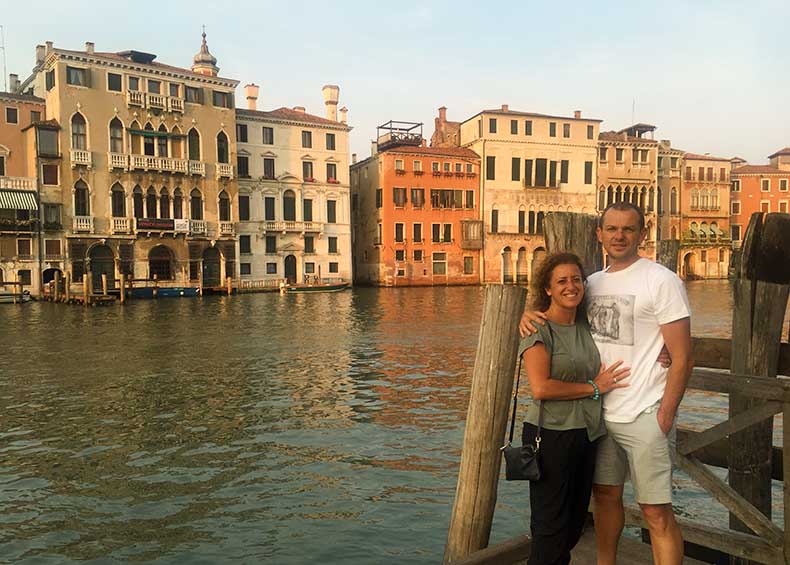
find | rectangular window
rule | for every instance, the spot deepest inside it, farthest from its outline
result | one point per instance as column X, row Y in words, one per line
column 673, row 163
column 735, row 232
column 271, row 268
column 552, row 129
column 271, row 244
column 154, row 86
column 50, row 80
column 590, row 132
column 703, row 255
column 24, row 277
column 418, row 197
column 114, row 82
column 379, row 235
column 470, row 169
column 417, row 255
column 515, row 168
column 494, row 221
column 35, row 116
column 400, row 256
column 635, row 156
column 399, row 229
column 309, row 244
column 244, row 244
column 765, row 206
column 470, row 199
column 333, row 267
column 245, row 269
column 307, row 209
column 765, row 185
column 192, row 95
column 541, row 171
column 527, row 172
column 447, row 233
column 619, row 155
column 736, row 185
column 566, row 130
column 735, row 208
column 710, row 173
column 268, row 208
column 490, row 167
column 602, row 154
column 417, row 165
column 175, row 90
column 23, row 247
column 221, row 99
column 399, row 197
column 2, row 166
column 331, row 172
column 491, row 125
column 244, row 207
column 528, row 127
column 416, row 230
column 783, row 206
column 564, row 164
column 52, row 248
column 434, row 166
column 588, row 172
column 11, row 115
column 514, row 127
column 332, row 243
column 268, row 168
column 268, row 135
column 436, row 233
column 243, row 164
column 379, row 198
column 552, row 173
column 133, row 83
column 309, row 268
column 241, row 133
column 307, row 170
column 469, row 265
column 49, row 174
column 722, row 174
column 307, row 139
column 522, row 221
column 52, row 216
column 783, row 185
column 446, row 167
column 331, row 211
column 330, row 142
column 439, row 263
column 76, row 77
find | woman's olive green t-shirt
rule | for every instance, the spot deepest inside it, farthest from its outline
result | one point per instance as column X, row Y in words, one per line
column 574, row 359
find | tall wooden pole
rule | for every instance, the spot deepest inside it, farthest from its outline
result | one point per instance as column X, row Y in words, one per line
column 123, row 288
column 761, row 294
column 575, row 233
column 486, row 420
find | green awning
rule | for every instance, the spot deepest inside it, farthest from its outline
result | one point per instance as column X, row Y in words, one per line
column 150, row 133
column 18, row 200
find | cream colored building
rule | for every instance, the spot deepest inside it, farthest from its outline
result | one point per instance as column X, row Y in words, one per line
column 143, row 164
column 670, row 191
column 531, row 164
column 294, row 192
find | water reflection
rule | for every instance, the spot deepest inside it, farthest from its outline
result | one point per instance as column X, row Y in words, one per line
column 323, row 428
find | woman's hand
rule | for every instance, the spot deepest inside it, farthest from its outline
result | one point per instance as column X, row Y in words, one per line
column 611, row 377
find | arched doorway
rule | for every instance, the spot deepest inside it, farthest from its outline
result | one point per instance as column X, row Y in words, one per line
column 290, row 269
column 160, row 263
column 211, row 268
column 690, row 266
column 507, row 266
column 102, row 263
column 47, row 276
column 522, row 274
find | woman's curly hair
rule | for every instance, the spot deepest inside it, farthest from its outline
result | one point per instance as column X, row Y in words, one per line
column 542, row 280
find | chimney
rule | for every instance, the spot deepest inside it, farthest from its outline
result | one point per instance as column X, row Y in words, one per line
column 443, row 114
column 251, row 91
column 353, row 158
column 424, row 142
column 89, row 47
column 374, row 148
column 13, row 82
column 505, row 108
column 299, row 109
column 41, row 52
column 343, row 115
column 331, row 94
column 577, row 114
column 50, row 46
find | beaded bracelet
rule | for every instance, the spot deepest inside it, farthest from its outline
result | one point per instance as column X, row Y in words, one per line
column 597, row 394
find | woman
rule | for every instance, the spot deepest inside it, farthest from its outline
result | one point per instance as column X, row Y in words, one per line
column 567, row 379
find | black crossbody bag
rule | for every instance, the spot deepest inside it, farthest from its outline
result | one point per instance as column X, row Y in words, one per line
column 522, row 463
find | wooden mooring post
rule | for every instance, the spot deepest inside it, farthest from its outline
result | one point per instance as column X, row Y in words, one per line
column 492, row 386
column 122, row 296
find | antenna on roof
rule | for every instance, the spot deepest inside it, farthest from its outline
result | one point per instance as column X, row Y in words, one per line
column 2, row 47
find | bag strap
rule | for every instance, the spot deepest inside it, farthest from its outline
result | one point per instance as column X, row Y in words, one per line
column 515, row 404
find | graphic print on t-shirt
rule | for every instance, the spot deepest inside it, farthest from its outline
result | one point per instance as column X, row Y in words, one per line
column 611, row 318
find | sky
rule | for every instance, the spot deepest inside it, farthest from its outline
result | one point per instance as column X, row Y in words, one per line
column 712, row 75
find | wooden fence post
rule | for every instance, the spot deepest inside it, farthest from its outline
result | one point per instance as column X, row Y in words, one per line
column 569, row 231
column 67, row 290
column 123, row 288
column 87, row 287
column 56, row 292
column 492, row 386
column 104, row 284
column 761, row 294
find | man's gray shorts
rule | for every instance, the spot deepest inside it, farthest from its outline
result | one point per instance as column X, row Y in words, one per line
column 641, row 449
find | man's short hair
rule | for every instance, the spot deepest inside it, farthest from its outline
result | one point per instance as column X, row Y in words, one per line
column 624, row 207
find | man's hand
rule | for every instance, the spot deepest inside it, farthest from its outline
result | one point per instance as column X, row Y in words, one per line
column 527, row 324
column 665, row 420
column 664, row 358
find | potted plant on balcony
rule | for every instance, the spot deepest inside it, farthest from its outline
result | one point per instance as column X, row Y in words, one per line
column 309, row 179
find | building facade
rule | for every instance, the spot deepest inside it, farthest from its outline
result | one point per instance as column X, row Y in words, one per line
column 21, row 253
column 294, row 194
column 628, row 172
column 141, row 170
column 670, row 191
column 531, row 164
column 416, row 212
column 705, row 244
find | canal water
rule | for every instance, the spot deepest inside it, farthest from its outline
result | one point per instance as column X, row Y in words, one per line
column 257, row 428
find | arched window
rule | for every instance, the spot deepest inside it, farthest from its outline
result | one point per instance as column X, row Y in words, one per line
column 81, row 200
column 642, row 197
column 150, row 203
column 222, row 147
column 660, row 203
column 161, row 141
column 289, row 206
column 164, row 203
column 116, row 136
column 694, row 199
column 714, row 229
column 539, row 223
column 609, row 195
column 148, row 141
column 196, row 205
column 703, row 229
column 160, row 263
column 193, row 140
column 694, row 229
column 135, row 140
column 673, row 202
column 176, row 143
column 618, row 194
column 178, row 204
column 531, row 221
column 137, row 202
column 703, row 199
column 79, row 136
column 118, row 201
column 601, row 199
column 651, row 199
column 714, row 198
column 224, row 207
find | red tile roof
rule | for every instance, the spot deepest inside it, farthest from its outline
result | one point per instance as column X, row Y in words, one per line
column 785, row 151
column 698, row 157
column 758, row 169
column 22, row 97
column 437, row 151
column 287, row 114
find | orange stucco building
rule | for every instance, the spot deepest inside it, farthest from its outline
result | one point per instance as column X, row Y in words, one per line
column 415, row 212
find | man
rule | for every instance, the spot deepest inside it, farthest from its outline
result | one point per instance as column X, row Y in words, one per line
column 640, row 307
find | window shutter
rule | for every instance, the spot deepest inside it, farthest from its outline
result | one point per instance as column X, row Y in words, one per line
column 88, row 78
column 201, row 95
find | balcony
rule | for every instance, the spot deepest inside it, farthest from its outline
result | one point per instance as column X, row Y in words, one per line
column 471, row 234
column 227, row 228
column 154, row 101
column 135, row 98
column 162, row 164
column 53, row 257
column 17, row 183
column 83, row 224
column 291, row 226
column 117, row 161
column 197, row 227
column 176, row 104
column 81, row 157
column 17, row 226
column 157, row 101
column 121, row 225
column 197, row 168
column 224, row 170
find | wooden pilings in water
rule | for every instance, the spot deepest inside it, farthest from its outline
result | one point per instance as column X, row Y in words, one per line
column 492, row 386
column 575, row 233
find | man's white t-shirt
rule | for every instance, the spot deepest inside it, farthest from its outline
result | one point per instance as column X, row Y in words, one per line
column 626, row 310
